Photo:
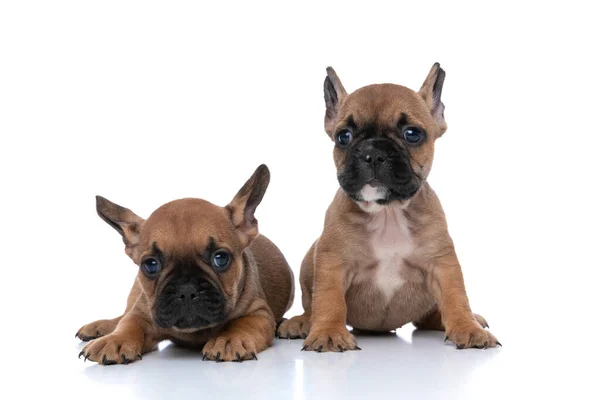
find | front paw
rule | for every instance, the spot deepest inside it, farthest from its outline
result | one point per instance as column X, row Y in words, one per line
column 232, row 347
column 330, row 339
column 112, row 349
column 471, row 335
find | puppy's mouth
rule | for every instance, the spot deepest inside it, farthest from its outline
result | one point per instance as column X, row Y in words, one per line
column 375, row 192
column 191, row 322
column 186, row 323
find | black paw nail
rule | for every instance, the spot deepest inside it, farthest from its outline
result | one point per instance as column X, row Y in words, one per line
column 320, row 349
column 357, row 348
column 86, row 357
column 139, row 356
column 460, row 346
column 254, row 356
column 80, row 354
column 124, row 359
column 238, row 357
column 106, row 361
column 446, row 339
column 204, row 356
column 340, row 348
column 498, row 343
column 304, row 348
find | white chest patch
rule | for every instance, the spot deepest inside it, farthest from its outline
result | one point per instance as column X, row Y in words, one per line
column 391, row 242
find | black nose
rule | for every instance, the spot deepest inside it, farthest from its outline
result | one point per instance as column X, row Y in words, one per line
column 374, row 156
column 187, row 293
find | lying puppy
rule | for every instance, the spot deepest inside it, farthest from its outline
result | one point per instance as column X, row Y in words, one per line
column 385, row 257
column 206, row 278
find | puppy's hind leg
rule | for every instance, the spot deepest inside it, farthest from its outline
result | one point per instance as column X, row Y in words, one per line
column 297, row 327
column 97, row 329
column 432, row 321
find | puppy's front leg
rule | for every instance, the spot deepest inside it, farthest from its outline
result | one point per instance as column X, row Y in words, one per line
column 447, row 284
column 127, row 343
column 243, row 337
column 328, row 322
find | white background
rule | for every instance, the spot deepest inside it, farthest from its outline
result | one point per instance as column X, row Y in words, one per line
column 144, row 102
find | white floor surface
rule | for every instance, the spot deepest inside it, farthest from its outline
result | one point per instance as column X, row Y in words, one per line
column 408, row 364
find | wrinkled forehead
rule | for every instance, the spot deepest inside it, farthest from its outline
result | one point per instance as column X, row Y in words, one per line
column 384, row 105
column 188, row 225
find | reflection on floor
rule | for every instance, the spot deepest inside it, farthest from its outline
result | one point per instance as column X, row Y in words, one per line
column 410, row 362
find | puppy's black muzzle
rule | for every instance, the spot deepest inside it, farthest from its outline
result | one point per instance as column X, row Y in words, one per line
column 189, row 301
column 379, row 162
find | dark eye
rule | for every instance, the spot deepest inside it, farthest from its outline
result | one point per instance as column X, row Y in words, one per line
column 344, row 138
column 221, row 260
column 412, row 135
column 151, row 266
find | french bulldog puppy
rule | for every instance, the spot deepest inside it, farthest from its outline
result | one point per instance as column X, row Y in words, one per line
column 385, row 257
column 206, row 278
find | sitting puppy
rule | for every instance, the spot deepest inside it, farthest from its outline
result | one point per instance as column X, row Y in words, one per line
column 385, row 257
column 206, row 278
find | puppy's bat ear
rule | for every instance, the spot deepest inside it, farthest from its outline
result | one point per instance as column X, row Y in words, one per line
column 334, row 95
column 431, row 92
column 243, row 205
column 125, row 221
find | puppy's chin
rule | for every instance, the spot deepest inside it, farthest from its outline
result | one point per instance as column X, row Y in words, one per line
column 192, row 330
column 371, row 198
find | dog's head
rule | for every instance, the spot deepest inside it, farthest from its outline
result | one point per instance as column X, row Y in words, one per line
column 191, row 254
column 384, row 136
